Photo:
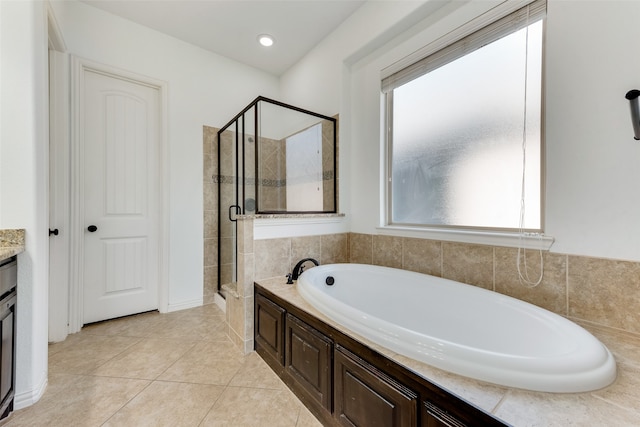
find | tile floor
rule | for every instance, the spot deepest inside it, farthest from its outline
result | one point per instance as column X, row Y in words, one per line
column 174, row 369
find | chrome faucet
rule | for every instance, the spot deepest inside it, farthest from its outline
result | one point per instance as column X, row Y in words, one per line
column 298, row 269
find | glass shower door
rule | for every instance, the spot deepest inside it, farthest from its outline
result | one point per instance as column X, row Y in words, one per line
column 227, row 208
column 236, row 191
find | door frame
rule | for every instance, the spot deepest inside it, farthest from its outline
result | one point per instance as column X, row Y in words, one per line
column 58, row 195
column 77, row 221
column 58, row 180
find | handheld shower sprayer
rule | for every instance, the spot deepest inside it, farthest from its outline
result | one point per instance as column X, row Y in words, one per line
column 634, row 101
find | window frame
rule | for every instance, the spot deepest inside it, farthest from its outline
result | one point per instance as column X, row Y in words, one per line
column 485, row 29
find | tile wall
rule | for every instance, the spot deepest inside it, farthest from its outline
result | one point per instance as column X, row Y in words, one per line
column 273, row 167
column 210, row 212
column 594, row 290
column 260, row 259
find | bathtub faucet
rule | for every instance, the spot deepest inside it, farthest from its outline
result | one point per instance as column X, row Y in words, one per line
column 299, row 268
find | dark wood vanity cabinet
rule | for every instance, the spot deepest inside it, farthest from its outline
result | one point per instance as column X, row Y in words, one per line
column 364, row 396
column 345, row 383
column 308, row 360
column 269, row 331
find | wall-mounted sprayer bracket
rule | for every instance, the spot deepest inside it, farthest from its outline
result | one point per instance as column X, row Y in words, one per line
column 634, row 102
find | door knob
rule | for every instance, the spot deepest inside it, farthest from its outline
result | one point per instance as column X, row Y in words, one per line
column 54, row 232
column 92, row 228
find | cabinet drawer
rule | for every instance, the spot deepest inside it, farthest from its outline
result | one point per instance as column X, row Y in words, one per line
column 366, row 397
column 269, row 328
column 308, row 360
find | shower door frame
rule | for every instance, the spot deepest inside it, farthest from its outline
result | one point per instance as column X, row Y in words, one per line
column 241, row 181
column 238, row 183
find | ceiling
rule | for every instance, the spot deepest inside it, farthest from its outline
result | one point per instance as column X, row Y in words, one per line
column 231, row 27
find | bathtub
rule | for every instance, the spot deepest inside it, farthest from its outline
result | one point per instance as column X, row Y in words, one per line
column 460, row 328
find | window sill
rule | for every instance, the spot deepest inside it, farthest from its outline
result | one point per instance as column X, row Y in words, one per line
column 507, row 239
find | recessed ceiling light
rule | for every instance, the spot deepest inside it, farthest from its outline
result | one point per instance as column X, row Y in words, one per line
column 265, row 40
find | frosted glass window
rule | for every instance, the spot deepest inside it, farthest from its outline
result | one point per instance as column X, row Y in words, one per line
column 458, row 143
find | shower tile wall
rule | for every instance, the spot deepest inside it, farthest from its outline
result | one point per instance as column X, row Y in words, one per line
column 273, row 170
column 329, row 175
column 210, row 212
column 599, row 291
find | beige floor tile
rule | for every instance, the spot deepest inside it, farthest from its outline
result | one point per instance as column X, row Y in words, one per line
column 307, row 419
column 167, row 404
column 69, row 342
column 206, row 363
column 146, row 359
column 240, row 407
column 102, row 376
column 88, row 353
column 220, row 349
column 255, row 373
column 76, row 400
column 130, row 326
column 188, row 328
column 203, row 310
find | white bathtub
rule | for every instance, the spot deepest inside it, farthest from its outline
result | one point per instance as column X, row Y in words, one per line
column 461, row 328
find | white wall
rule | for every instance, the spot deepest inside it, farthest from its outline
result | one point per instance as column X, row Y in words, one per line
column 593, row 173
column 23, row 180
column 592, row 202
column 203, row 89
column 321, row 81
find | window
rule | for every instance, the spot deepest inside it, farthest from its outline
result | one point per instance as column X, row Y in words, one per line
column 464, row 123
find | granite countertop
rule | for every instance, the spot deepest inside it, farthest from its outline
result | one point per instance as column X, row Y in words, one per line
column 616, row 405
column 11, row 243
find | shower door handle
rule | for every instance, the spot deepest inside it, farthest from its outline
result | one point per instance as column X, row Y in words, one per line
column 237, row 209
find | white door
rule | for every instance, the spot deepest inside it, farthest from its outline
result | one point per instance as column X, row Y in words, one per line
column 120, row 196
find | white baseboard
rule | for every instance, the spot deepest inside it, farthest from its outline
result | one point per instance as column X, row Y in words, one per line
column 185, row 305
column 29, row 397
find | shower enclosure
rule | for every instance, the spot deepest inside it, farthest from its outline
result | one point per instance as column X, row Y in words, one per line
column 273, row 159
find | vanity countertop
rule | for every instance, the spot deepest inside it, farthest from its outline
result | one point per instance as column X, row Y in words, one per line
column 615, row 405
column 11, row 243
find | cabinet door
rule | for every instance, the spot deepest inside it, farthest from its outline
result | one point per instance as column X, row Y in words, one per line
column 365, row 397
column 308, row 360
column 269, row 328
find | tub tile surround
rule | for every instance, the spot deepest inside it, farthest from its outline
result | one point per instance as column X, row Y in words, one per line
column 597, row 291
column 606, row 292
column 272, row 258
column 11, row 242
